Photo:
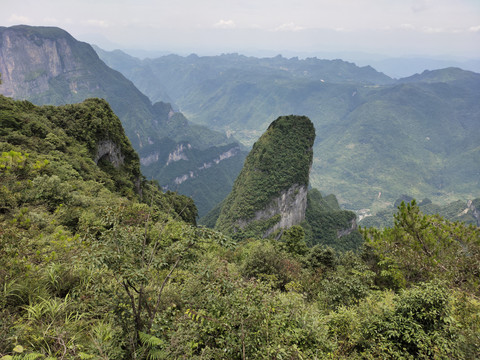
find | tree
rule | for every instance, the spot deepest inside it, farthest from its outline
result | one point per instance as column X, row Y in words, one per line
column 423, row 247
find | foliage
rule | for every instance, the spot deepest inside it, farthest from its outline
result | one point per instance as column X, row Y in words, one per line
column 453, row 211
column 327, row 224
column 90, row 269
column 424, row 247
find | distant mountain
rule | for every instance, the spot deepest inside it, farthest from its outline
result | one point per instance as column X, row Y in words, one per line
column 46, row 65
column 252, row 91
column 467, row 212
column 447, row 75
column 404, row 67
column 377, row 138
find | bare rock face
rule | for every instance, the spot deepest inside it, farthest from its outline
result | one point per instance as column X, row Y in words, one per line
column 290, row 205
column 28, row 62
column 107, row 149
column 475, row 211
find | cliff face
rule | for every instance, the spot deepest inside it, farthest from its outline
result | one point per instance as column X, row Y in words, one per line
column 474, row 209
column 30, row 59
column 46, row 65
column 290, row 205
column 271, row 191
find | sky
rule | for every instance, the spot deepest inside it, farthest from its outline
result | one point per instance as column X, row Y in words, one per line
column 448, row 28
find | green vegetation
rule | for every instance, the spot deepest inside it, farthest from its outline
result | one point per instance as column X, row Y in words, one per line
column 280, row 159
column 327, row 224
column 91, row 268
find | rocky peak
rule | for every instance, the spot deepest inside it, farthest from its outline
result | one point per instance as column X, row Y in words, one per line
column 271, row 191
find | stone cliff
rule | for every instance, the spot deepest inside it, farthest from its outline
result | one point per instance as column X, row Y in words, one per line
column 290, row 205
column 31, row 57
column 474, row 209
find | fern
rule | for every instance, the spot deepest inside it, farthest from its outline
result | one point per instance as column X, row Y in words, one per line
column 150, row 340
column 152, row 343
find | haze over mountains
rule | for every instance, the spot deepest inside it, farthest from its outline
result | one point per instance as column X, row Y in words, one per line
column 377, row 137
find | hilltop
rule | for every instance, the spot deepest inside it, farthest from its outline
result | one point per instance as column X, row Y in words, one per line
column 270, row 191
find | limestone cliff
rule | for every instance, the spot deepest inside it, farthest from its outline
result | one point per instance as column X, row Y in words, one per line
column 290, row 205
column 271, row 191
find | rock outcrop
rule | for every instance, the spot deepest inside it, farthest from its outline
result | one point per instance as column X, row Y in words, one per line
column 107, row 149
column 290, row 205
column 475, row 211
column 271, row 191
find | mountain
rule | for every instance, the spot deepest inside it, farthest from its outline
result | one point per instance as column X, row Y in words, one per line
column 377, row 137
column 327, row 224
column 404, row 67
column 46, row 65
column 62, row 159
column 270, row 192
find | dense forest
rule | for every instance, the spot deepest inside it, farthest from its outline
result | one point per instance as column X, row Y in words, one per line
column 98, row 263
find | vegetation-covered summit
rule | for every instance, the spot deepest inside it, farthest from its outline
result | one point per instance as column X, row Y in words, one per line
column 280, row 159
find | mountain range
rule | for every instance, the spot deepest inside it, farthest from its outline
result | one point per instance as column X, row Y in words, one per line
column 377, row 137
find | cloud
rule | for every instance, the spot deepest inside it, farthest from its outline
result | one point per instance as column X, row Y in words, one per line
column 18, row 19
column 420, row 5
column 407, row 27
column 432, row 30
column 225, row 24
column 98, row 23
column 289, row 27
column 474, row 28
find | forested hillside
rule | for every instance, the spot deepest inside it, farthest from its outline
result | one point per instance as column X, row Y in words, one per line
column 467, row 212
column 97, row 263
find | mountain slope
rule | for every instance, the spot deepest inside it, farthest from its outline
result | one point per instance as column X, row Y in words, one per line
column 416, row 138
column 48, row 66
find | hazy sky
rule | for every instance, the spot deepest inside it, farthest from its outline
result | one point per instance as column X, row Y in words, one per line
column 390, row 27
